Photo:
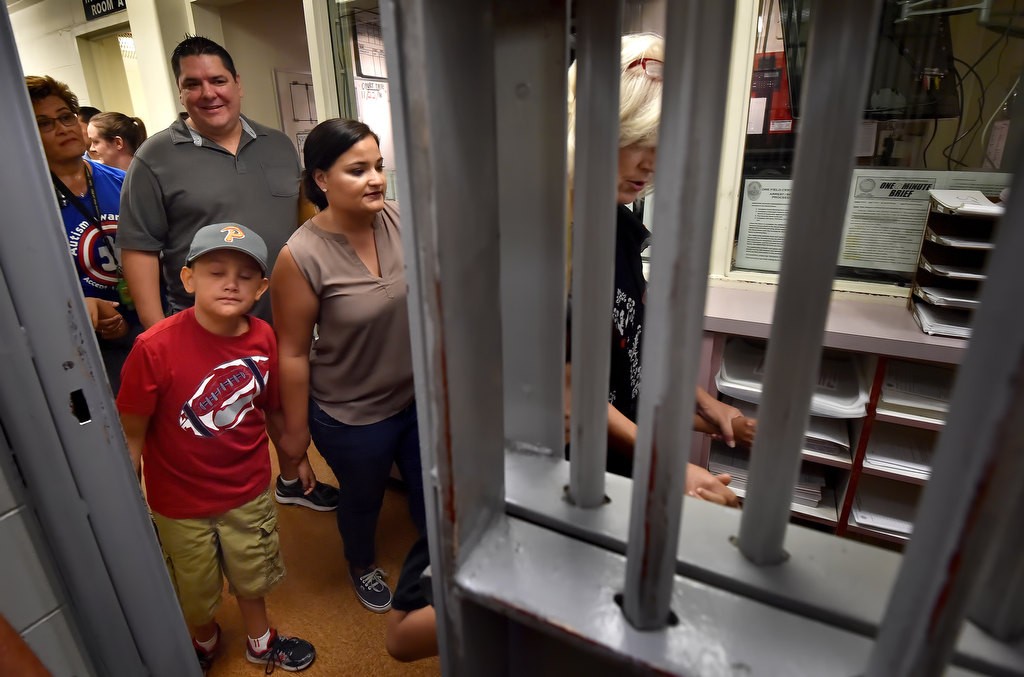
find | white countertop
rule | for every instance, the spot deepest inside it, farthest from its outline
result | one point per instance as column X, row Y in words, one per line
column 857, row 322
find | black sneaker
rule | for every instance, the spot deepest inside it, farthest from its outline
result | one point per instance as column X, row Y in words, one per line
column 323, row 498
column 288, row 653
column 371, row 589
column 205, row 657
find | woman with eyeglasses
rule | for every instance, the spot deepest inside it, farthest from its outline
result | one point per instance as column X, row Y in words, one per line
column 89, row 195
column 639, row 115
column 114, row 137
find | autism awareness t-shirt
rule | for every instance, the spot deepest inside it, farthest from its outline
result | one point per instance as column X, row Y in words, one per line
column 90, row 249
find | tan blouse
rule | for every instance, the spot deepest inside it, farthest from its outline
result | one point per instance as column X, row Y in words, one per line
column 360, row 369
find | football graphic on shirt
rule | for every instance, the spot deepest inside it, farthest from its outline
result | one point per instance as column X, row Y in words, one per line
column 225, row 396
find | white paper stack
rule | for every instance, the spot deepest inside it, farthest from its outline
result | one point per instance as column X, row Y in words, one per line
column 916, row 388
column 968, row 202
column 958, row 241
column 953, row 272
column 935, row 320
column 842, row 390
column 827, row 436
column 952, row 298
column 736, row 462
column 900, row 449
column 885, row 505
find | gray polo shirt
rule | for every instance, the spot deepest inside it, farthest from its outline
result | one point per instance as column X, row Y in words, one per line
column 181, row 181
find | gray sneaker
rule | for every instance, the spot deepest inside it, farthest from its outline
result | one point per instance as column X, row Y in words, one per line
column 371, row 589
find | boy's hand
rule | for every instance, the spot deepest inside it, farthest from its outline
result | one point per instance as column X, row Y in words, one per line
column 700, row 483
column 306, row 475
column 744, row 429
column 105, row 319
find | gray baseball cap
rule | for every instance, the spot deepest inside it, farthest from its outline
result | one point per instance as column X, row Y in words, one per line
column 228, row 236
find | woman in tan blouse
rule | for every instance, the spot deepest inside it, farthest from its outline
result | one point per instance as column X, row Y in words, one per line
column 342, row 272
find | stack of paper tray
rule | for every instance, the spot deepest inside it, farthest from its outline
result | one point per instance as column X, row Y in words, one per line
column 901, row 450
column 964, row 202
column 736, row 462
column 915, row 388
column 824, row 436
column 885, row 505
column 942, row 321
column 841, row 392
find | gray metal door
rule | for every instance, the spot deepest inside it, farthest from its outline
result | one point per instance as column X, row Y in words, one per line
column 82, row 577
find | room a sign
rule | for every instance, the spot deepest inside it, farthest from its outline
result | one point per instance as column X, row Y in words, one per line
column 96, row 9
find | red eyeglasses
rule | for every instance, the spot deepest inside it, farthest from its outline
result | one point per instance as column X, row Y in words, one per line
column 652, row 67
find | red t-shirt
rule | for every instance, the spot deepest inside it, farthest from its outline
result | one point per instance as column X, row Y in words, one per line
column 206, row 448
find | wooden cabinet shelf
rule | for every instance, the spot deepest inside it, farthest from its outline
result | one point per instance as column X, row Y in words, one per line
column 854, row 528
column 895, row 475
column 913, row 420
column 835, row 460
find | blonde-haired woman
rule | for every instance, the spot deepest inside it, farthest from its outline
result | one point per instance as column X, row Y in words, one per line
column 642, row 62
column 114, row 138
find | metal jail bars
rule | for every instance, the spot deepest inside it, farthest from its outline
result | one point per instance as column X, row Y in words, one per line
column 530, row 551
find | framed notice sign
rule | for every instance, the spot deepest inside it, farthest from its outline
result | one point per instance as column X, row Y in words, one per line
column 96, row 9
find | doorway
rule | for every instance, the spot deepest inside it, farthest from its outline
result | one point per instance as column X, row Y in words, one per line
column 112, row 71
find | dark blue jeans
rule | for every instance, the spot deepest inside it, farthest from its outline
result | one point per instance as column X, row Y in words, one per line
column 361, row 458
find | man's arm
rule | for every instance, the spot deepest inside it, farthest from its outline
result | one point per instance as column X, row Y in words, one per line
column 142, row 233
column 142, row 273
column 135, row 435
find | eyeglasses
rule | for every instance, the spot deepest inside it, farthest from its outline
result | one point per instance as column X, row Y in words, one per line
column 652, row 67
column 46, row 124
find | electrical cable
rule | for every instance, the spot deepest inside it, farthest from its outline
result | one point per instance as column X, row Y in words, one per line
column 924, row 153
column 959, row 118
column 1003, row 40
column 995, row 76
column 988, row 123
column 948, row 150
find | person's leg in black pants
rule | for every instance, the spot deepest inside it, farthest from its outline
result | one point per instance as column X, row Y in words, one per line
column 360, row 457
column 407, row 458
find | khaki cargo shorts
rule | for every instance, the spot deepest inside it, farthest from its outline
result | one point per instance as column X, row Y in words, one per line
column 241, row 545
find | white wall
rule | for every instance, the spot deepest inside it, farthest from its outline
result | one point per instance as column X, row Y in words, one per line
column 53, row 38
column 262, row 35
column 45, row 35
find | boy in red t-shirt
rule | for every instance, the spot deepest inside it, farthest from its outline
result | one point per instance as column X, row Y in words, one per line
column 195, row 394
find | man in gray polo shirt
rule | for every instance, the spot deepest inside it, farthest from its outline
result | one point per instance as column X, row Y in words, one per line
column 213, row 166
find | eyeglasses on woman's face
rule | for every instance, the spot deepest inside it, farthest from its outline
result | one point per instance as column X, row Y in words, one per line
column 46, row 123
column 652, row 67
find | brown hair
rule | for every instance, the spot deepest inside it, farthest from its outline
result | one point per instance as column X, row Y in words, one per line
column 42, row 86
column 111, row 125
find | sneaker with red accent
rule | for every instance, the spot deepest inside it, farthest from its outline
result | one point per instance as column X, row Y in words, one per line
column 204, row 656
column 288, row 653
